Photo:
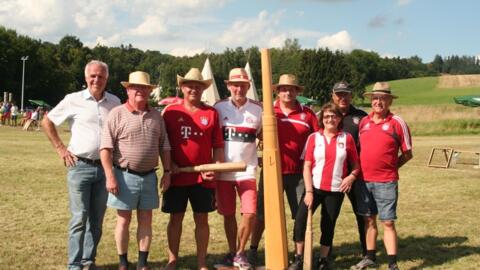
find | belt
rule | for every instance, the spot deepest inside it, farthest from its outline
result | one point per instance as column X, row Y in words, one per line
column 135, row 172
column 94, row 162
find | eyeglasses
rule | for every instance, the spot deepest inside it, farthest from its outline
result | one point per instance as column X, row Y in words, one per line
column 330, row 116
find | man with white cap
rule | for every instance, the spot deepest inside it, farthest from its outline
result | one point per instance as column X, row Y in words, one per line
column 241, row 121
column 133, row 138
column 382, row 136
column 196, row 138
column 296, row 122
column 342, row 96
column 85, row 111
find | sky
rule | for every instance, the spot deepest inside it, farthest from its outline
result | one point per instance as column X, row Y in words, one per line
column 391, row 28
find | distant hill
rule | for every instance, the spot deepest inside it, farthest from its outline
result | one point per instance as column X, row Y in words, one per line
column 434, row 90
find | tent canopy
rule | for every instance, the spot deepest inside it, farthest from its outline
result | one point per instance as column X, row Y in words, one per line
column 39, row 102
column 307, row 101
column 471, row 101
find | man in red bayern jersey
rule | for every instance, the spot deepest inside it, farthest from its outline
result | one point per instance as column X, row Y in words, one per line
column 196, row 138
column 294, row 123
column 382, row 136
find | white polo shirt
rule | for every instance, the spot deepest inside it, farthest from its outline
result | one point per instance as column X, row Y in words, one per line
column 240, row 127
column 86, row 117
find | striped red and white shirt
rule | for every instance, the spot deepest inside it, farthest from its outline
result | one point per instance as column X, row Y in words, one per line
column 330, row 158
column 380, row 144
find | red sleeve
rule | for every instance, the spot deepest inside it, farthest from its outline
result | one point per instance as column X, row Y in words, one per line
column 310, row 147
column 352, row 154
column 315, row 125
column 404, row 134
column 217, row 132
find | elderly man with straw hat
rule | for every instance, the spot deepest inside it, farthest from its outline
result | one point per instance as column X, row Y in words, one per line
column 296, row 122
column 241, row 121
column 196, row 138
column 133, row 138
column 383, row 136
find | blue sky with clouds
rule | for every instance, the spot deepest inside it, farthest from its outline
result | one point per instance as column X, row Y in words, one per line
column 185, row 27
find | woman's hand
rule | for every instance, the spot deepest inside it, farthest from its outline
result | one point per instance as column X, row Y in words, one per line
column 346, row 184
column 308, row 199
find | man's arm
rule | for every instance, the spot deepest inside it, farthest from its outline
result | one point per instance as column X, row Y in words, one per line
column 404, row 158
column 165, row 156
column 107, row 164
column 50, row 130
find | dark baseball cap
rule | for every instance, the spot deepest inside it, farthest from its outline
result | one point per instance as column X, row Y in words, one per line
column 342, row 86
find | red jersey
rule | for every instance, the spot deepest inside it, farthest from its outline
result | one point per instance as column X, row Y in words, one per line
column 380, row 144
column 330, row 159
column 294, row 129
column 192, row 138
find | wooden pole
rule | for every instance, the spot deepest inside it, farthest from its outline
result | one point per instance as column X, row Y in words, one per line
column 275, row 226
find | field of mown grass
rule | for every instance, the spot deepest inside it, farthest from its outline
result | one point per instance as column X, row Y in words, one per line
column 438, row 213
column 438, row 208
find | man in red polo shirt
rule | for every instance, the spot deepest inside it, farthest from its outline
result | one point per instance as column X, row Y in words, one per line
column 382, row 136
column 195, row 136
column 294, row 123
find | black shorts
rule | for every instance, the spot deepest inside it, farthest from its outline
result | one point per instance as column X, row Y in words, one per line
column 201, row 199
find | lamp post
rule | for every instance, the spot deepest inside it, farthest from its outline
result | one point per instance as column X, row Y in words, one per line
column 24, row 58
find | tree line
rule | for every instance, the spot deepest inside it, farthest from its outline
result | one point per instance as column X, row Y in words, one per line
column 53, row 70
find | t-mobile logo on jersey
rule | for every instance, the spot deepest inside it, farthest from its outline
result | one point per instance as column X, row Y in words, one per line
column 229, row 132
column 186, row 131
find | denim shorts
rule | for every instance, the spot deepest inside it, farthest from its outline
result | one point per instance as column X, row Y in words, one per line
column 374, row 198
column 134, row 191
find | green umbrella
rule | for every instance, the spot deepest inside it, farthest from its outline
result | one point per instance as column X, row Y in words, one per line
column 471, row 101
column 40, row 103
column 307, row 101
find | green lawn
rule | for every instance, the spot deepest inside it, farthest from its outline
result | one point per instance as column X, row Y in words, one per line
column 424, row 91
column 438, row 213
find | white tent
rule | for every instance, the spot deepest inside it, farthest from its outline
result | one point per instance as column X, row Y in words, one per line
column 252, row 92
column 210, row 95
column 155, row 94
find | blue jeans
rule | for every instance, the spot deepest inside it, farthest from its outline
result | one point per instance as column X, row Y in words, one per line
column 378, row 199
column 88, row 197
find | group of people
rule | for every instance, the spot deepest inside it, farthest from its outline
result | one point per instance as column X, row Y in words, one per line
column 8, row 113
column 114, row 151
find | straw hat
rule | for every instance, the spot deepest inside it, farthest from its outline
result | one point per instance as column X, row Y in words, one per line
column 193, row 75
column 380, row 88
column 138, row 78
column 288, row 80
column 342, row 86
column 238, row 75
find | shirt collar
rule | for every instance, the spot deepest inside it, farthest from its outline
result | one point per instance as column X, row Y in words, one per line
column 235, row 106
column 131, row 109
column 87, row 95
column 389, row 116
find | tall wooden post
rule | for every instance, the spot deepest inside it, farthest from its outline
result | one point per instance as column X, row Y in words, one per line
column 275, row 226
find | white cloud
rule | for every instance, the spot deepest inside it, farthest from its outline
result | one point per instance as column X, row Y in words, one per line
column 152, row 25
column 254, row 31
column 339, row 41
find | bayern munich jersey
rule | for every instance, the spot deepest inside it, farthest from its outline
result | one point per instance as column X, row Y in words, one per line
column 330, row 159
column 192, row 136
column 240, row 127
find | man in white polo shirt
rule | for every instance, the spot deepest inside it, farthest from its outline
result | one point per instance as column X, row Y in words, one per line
column 133, row 138
column 241, row 122
column 85, row 111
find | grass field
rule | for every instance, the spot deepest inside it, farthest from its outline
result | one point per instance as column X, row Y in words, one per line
column 427, row 91
column 438, row 213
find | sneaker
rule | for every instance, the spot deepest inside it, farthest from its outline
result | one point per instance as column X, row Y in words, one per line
column 227, row 260
column 297, row 263
column 252, row 256
column 366, row 262
column 240, row 261
column 323, row 264
column 393, row 267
